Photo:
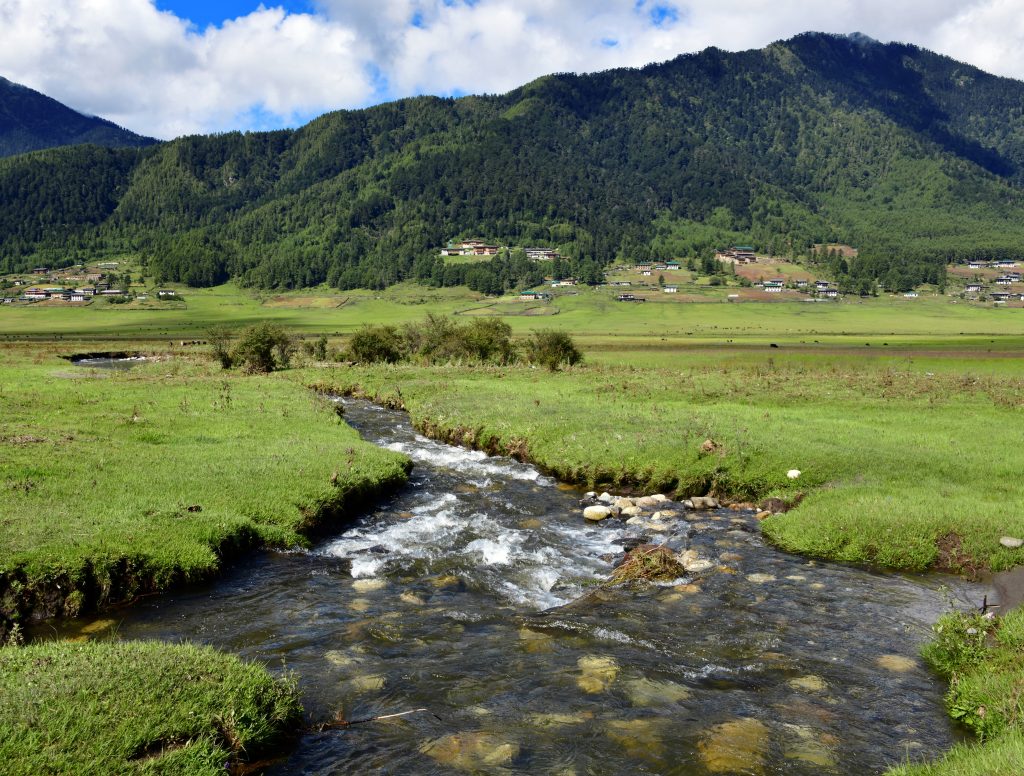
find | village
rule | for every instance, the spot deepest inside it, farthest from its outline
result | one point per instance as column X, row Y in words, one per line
column 76, row 285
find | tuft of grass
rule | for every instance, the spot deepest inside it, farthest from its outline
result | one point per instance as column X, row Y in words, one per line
column 648, row 563
column 110, row 707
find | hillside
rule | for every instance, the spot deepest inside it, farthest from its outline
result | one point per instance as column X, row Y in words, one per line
column 914, row 158
column 30, row 121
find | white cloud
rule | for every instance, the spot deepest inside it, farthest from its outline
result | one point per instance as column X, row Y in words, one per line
column 154, row 73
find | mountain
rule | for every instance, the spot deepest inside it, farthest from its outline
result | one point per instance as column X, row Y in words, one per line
column 30, row 121
column 913, row 157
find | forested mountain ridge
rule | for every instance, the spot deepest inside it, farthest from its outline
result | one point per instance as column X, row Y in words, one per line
column 30, row 121
column 911, row 156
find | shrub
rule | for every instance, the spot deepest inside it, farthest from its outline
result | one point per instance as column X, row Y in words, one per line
column 552, row 349
column 487, row 339
column 219, row 338
column 373, row 344
column 263, row 348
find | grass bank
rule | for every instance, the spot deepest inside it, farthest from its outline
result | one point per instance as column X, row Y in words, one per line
column 984, row 663
column 113, row 707
column 900, row 467
column 116, row 484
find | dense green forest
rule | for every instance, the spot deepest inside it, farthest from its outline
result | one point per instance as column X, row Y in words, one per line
column 30, row 121
column 912, row 157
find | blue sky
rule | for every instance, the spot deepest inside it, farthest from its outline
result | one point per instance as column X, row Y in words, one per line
column 172, row 67
column 205, row 12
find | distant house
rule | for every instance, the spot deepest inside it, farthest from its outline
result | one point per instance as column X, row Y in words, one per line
column 75, row 296
column 112, row 292
column 451, row 251
column 108, row 265
column 672, row 265
column 671, row 289
column 974, row 288
column 801, row 284
column 1003, row 281
column 533, row 296
column 975, row 265
column 772, row 288
column 831, row 293
column 7, row 300
column 821, row 285
column 40, row 270
column 630, row 298
column 999, row 296
column 35, row 294
column 565, row 282
column 166, row 292
column 644, row 267
column 911, row 295
column 1004, row 263
column 646, row 273
column 541, row 254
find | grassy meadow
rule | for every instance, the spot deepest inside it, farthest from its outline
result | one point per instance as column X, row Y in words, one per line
column 903, row 417
column 117, row 483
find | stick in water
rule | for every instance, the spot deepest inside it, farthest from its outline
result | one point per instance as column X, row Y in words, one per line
column 349, row 723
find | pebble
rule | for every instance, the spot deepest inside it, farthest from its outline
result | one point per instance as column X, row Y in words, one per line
column 1011, row 542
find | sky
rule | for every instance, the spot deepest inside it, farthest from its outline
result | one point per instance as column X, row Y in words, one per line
column 167, row 68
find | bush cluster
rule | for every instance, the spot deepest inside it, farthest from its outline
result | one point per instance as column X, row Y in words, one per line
column 439, row 340
column 261, row 348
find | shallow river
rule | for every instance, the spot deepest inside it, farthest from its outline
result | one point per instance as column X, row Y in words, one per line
column 471, row 593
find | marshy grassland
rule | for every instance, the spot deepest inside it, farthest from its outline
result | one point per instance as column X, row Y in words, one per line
column 904, row 420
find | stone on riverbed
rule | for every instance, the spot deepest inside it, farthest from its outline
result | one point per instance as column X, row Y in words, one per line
column 704, row 502
column 632, row 511
column 764, row 514
column 647, row 502
column 693, row 563
column 809, row 683
column 647, row 692
column 624, row 503
column 897, row 663
column 735, row 747
column 598, row 673
column 471, row 751
column 596, row 513
column 606, row 498
column 1011, row 542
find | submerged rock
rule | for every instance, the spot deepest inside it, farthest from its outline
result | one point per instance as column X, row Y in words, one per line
column 810, row 683
column 896, row 663
column 471, row 751
column 760, row 579
column 598, row 673
column 647, row 692
column 558, row 720
column 368, row 682
column 693, row 563
column 735, row 747
column 632, row 511
column 368, row 585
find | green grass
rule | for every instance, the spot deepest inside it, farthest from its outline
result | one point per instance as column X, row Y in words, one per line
column 113, row 707
column 892, row 459
column 119, row 483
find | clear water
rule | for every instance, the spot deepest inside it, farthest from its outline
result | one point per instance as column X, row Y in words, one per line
column 472, row 593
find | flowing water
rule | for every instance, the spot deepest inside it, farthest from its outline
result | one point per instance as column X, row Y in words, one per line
column 472, row 593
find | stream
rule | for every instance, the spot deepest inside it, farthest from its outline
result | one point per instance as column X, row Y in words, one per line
column 472, row 593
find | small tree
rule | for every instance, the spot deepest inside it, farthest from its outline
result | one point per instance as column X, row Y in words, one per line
column 263, row 348
column 320, row 348
column 552, row 349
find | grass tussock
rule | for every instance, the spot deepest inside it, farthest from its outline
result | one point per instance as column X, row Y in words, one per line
column 112, row 707
column 648, row 563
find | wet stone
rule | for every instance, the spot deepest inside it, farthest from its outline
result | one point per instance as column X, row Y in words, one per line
column 471, row 751
column 738, row 746
column 899, row 664
column 598, row 672
column 808, row 683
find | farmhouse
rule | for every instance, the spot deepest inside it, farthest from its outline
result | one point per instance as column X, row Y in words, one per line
column 1003, row 281
column 671, row 289
column 541, row 254
column 773, row 286
column 166, row 292
column 974, row 288
column 533, row 296
column 672, row 265
column 1000, row 296
column 1004, row 263
column 646, row 273
column 40, row 270
column 821, row 285
column 644, row 266
column 911, row 295
column 565, row 282
column 630, row 298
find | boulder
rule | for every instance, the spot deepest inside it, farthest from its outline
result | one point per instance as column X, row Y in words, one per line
column 763, row 514
column 646, row 502
column 635, row 520
column 658, row 497
column 704, row 502
column 1011, row 542
column 624, row 503
column 606, row 498
column 590, row 494
column 632, row 511
column 693, row 563
column 597, row 513
column 597, row 673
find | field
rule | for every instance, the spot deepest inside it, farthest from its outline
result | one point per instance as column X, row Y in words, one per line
column 902, row 416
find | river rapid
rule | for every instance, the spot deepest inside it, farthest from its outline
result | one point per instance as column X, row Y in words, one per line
column 473, row 593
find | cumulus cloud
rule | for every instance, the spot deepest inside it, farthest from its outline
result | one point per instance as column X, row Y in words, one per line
column 156, row 73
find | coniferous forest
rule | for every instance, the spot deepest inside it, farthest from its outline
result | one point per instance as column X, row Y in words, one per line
column 914, row 158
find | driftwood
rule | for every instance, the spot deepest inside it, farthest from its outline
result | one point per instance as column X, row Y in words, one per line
column 341, row 722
